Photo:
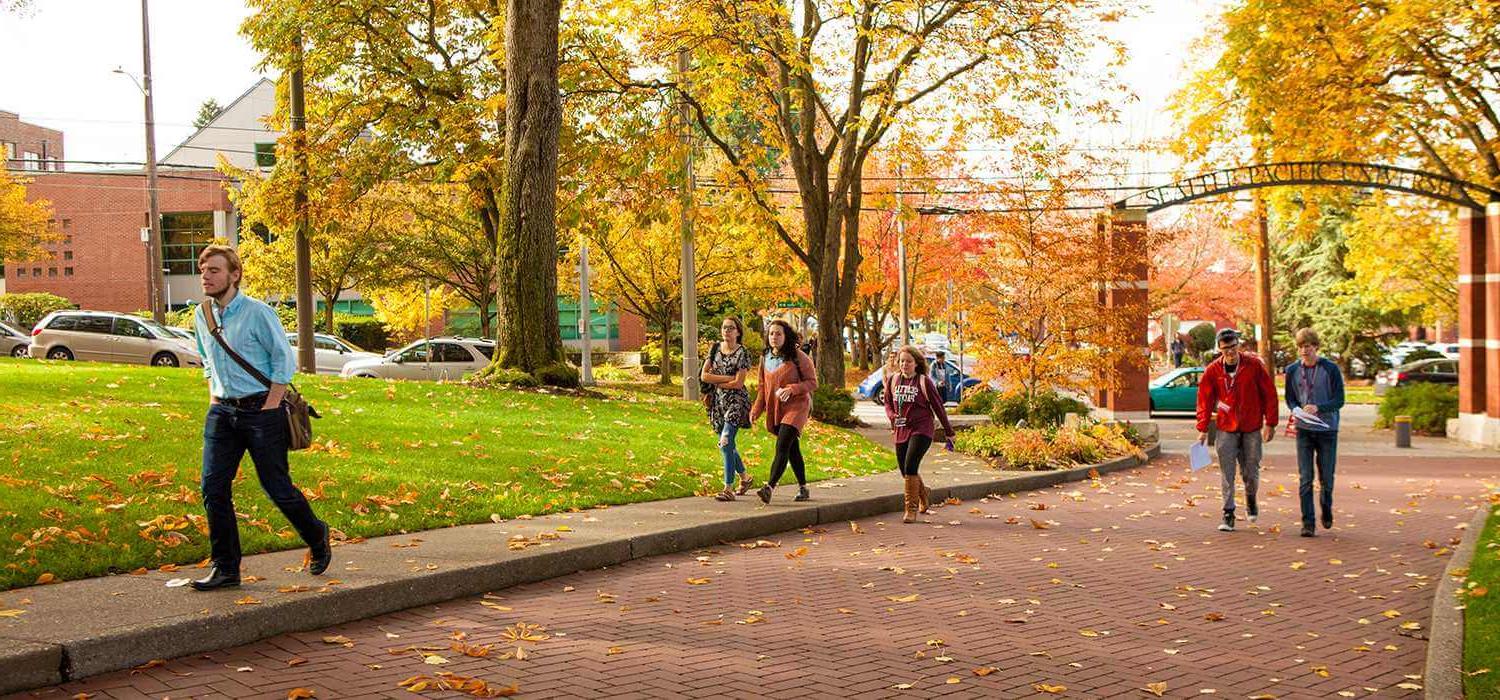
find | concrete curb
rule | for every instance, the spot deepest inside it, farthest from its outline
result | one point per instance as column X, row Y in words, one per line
column 1443, row 678
column 65, row 639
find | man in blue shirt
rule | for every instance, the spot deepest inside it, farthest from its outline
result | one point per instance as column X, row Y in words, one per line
column 245, row 414
column 939, row 374
column 1316, row 387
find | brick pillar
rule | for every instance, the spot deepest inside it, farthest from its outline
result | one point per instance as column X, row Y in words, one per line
column 1491, row 333
column 1472, row 324
column 1127, row 246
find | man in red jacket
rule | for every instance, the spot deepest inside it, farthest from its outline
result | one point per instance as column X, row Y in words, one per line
column 1237, row 392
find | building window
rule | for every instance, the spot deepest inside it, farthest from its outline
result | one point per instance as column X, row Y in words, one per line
column 51, row 272
column 67, row 224
column 36, row 272
column 10, row 150
column 32, row 161
column 183, row 236
column 67, row 272
column 68, row 255
column 265, row 154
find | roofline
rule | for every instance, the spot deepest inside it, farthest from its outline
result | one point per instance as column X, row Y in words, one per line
column 210, row 123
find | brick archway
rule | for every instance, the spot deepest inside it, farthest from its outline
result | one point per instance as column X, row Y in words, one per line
column 1478, row 274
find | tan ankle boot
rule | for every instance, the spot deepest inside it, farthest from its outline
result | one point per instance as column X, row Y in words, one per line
column 912, row 493
column 924, row 497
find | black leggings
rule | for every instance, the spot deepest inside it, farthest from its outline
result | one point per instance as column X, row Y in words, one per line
column 788, row 449
column 909, row 454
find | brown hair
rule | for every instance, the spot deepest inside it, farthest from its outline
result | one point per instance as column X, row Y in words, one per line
column 739, row 329
column 1308, row 336
column 231, row 257
column 789, row 341
column 921, row 361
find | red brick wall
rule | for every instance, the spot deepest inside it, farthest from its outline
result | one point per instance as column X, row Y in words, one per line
column 103, row 215
column 40, row 140
column 632, row 332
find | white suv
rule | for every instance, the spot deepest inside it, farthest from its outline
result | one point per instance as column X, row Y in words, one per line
column 437, row 359
column 106, row 336
column 331, row 352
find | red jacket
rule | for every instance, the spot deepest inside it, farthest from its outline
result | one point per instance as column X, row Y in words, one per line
column 1251, row 398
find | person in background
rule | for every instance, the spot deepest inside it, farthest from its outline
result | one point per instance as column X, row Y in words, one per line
column 1239, row 396
column 911, row 400
column 729, row 408
column 1178, row 349
column 1316, row 386
column 939, row 373
column 787, row 381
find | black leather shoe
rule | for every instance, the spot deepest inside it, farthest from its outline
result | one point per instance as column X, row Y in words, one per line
column 322, row 554
column 1308, row 531
column 217, row 578
column 1327, row 520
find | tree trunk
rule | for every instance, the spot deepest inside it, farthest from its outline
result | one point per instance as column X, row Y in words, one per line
column 529, row 336
column 665, row 324
column 328, row 302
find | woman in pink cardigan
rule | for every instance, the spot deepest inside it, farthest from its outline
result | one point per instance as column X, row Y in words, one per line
column 787, row 381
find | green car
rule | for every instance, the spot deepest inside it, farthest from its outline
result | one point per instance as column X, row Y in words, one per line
column 1176, row 390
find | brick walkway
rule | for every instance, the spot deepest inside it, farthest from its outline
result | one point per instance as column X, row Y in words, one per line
column 1098, row 588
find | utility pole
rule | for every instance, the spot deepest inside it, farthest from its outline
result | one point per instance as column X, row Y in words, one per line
column 689, row 273
column 901, row 294
column 585, row 315
column 306, row 349
column 1263, row 311
column 153, row 246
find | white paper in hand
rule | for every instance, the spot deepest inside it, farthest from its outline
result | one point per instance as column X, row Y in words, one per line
column 1308, row 419
column 1199, row 456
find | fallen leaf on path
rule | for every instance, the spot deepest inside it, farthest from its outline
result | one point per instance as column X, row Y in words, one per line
column 983, row 671
column 903, row 599
column 301, row 694
column 247, row 600
column 12, row 613
column 1048, row 688
column 1159, row 688
column 296, row 661
column 338, row 639
column 699, row 581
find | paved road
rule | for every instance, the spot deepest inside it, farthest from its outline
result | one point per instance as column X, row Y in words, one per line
column 1095, row 589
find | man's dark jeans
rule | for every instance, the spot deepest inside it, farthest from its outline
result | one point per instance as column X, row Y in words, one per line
column 228, row 433
column 1320, row 448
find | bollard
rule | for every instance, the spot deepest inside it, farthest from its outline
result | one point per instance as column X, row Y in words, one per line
column 1403, row 431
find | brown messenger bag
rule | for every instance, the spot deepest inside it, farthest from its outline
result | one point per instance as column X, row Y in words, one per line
column 299, row 413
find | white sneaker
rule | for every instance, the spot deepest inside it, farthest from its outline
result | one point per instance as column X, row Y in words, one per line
column 1254, row 517
column 1226, row 527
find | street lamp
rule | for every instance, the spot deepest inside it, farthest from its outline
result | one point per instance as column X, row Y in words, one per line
column 156, row 281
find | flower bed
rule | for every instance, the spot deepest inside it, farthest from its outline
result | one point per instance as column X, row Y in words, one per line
column 1050, row 448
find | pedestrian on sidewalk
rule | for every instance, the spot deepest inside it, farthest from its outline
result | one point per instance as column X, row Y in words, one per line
column 787, row 381
column 911, row 399
column 1316, row 386
column 244, row 414
column 1239, row 396
column 729, row 402
column 939, row 373
column 1178, row 348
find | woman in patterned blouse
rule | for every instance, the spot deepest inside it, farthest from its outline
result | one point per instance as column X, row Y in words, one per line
column 729, row 407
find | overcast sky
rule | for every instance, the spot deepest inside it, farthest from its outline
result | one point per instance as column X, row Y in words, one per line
column 59, row 59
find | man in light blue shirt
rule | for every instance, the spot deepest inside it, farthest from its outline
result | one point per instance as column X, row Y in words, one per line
column 245, row 415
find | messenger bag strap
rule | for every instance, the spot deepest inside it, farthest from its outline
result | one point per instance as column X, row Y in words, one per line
column 217, row 332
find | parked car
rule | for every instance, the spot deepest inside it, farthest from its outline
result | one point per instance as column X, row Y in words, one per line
column 1397, row 354
column 333, row 352
column 1448, row 350
column 1432, row 371
column 1176, row 390
column 105, row 336
column 433, row 359
column 870, row 387
column 12, row 341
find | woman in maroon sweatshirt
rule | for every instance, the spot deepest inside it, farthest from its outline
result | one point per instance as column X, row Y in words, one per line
column 910, row 400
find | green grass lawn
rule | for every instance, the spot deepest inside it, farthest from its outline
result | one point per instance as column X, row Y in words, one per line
column 99, row 463
column 1353, row 393
column 1482, row 616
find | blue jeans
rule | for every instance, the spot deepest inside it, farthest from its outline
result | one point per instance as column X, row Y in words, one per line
column 733, row 464
column 1318, row 447
column 228, row 433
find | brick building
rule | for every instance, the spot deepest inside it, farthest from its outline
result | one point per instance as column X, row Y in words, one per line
column 100, row 263
column 28, row 146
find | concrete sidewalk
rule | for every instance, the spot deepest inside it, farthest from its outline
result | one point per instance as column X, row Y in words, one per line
column 81, row 628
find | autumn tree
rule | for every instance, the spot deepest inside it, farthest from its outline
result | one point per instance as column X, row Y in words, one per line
column 1403, row 259
column 808, row 90
column 1200, row 267
column 1036, row 317
column 348, row 213
column 441, row 244
column 24, row 225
